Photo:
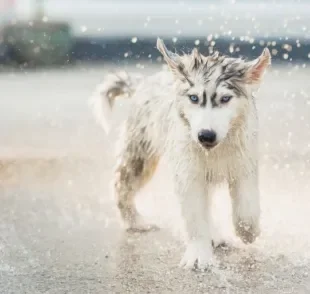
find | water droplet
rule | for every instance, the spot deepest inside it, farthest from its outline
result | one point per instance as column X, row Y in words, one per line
column 37, row 49
column 134, row 40
column 261, row 42
column 231, row 48
column 287, row 47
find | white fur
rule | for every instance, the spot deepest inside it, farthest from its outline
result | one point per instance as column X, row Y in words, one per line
column 197, row 171
column 193, row 166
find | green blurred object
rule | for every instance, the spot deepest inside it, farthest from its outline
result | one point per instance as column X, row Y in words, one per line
column 39, row 42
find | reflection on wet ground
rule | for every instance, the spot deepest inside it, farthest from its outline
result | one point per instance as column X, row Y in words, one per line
column 59, row 230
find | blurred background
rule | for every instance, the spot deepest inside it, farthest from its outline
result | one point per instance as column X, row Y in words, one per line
column 45, row 31
column 59, row 228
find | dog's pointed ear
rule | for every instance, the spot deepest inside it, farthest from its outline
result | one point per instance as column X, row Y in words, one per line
column 256, row 68
column 173, row 60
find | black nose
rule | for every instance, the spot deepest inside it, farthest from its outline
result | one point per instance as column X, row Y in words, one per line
column 207, row 137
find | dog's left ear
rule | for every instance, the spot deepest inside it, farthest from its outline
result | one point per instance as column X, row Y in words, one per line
column 256, row 68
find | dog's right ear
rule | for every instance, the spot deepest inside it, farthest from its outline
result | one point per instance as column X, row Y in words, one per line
column 173, row 61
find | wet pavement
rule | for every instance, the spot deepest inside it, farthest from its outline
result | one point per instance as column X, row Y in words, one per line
column 59, row 229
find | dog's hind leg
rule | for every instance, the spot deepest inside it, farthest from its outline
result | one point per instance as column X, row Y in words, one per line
column 135, row 167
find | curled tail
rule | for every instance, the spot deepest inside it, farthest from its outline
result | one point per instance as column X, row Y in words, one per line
column 114, row 86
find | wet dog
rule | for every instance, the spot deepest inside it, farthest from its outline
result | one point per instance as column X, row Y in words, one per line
column 200, row 115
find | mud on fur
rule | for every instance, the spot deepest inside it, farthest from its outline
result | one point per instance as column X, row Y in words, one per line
column 200, row 117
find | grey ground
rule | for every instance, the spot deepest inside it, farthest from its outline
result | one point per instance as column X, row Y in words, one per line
column 59, row 231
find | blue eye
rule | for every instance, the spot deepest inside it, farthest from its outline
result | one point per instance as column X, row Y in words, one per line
column 193, row 98
column 225, row 99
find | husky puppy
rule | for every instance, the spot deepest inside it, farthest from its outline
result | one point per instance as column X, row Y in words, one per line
column 200, row 115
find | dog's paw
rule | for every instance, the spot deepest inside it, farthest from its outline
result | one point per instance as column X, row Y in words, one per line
column 218, row 240
column 198, row 255
column 219, row 243
column 247, row 232
column 141, row 225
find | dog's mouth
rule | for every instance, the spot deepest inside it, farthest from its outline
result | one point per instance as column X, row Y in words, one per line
column 209, row 146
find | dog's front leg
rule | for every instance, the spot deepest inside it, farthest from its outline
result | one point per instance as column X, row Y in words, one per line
column 195, row 209
column 246, row 206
